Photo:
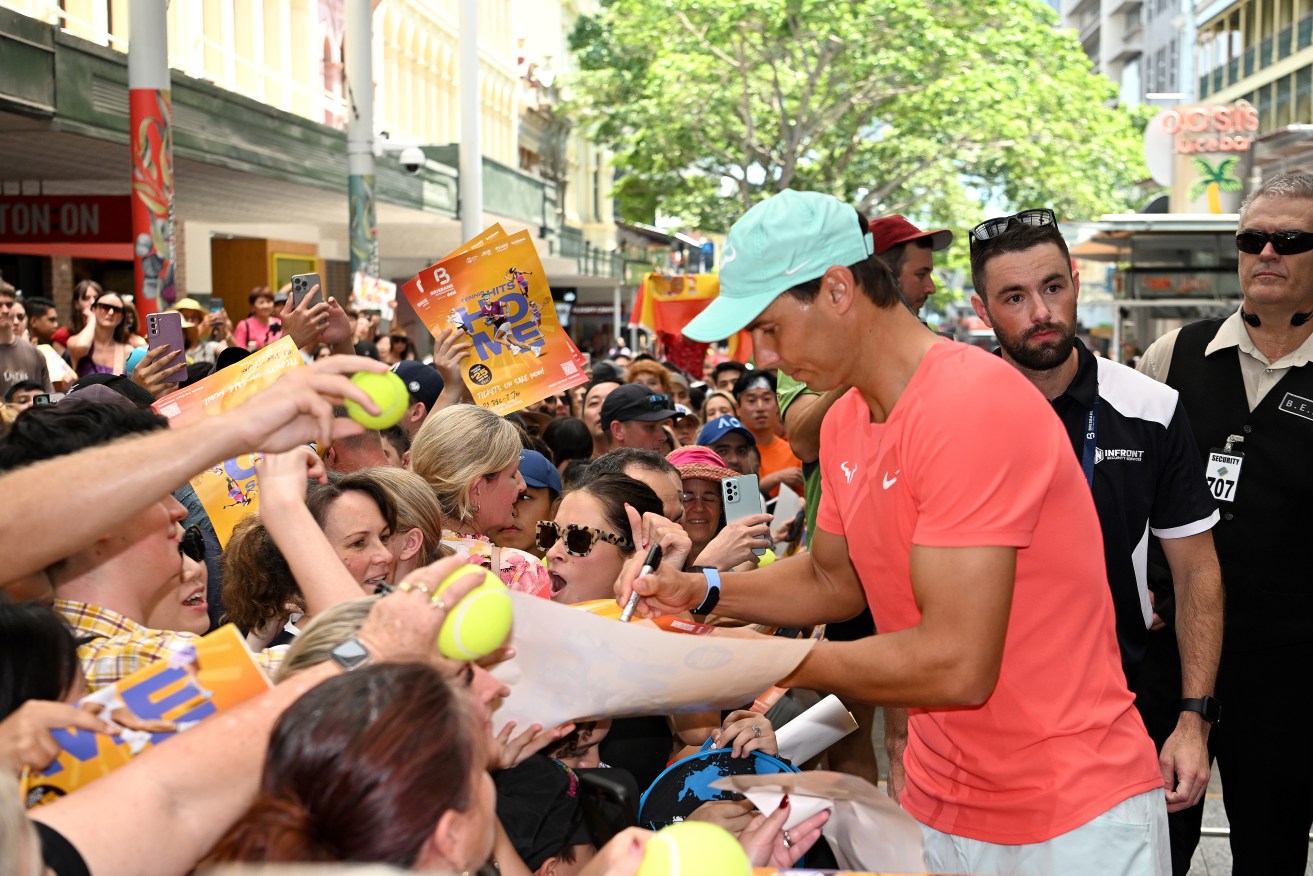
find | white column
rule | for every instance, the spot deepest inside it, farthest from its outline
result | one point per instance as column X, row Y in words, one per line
column 471, row 154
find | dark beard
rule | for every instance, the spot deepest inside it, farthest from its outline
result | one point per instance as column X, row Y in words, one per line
column 1044, row 358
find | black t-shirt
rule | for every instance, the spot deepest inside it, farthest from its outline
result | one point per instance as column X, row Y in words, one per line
column 1148, row 478
column 59, row 854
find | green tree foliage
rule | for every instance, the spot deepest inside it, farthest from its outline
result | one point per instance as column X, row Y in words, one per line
column 895, row 105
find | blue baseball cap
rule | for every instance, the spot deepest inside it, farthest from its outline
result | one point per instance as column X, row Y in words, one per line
column 783, row 241
column 423, row 382
column 539, row 472
column 722, row 426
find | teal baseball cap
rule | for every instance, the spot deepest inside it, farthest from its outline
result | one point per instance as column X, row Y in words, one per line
column 785, row 240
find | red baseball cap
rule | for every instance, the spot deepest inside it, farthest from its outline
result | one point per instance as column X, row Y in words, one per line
column 890, row 231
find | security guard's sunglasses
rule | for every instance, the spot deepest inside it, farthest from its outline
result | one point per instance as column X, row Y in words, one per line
column 1284, row 242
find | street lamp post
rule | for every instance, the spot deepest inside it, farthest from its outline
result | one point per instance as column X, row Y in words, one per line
column 360, row 138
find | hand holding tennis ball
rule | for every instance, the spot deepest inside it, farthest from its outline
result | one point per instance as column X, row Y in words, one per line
column 694, row 847
column 388, row 392
column 478, row 624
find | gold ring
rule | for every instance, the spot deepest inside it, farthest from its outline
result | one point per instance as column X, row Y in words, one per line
column 439, row 604
column 756, row 731
column 422, row 588
column 787, row 842
column 405, row 587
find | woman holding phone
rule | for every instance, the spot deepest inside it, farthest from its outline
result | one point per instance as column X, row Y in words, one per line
column 102, row 346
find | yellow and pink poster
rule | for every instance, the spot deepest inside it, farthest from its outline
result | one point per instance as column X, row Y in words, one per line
column 229, row 491
column 494, row 290
column 152, row 705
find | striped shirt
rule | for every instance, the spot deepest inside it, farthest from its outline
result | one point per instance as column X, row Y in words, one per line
column 116, row 646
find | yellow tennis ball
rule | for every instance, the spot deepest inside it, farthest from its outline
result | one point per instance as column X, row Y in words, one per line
column 478, row 624
column 689, row 848
column 767, row 558
column 388, row 392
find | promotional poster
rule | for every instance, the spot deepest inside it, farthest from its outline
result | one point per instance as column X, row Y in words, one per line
column 494, row 290
column 151, row 706
column 229, row 491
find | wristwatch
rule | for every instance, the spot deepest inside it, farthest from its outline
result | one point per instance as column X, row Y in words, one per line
column 350, row 655
column 712, row 574
column 1209, row 708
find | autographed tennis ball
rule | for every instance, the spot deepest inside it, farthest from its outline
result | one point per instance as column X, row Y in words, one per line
column 478, row 624
column 689, row 847
column 388, row 392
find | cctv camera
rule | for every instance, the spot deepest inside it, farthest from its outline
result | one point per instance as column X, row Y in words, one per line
column 412, row 159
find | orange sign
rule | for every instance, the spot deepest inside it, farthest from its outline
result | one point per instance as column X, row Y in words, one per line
column 1211, row 128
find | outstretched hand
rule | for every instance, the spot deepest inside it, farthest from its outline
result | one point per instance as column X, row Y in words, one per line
column 298, row 407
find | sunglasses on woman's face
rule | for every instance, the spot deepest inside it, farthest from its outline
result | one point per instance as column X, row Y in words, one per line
column 579, row 540
column 106, row 308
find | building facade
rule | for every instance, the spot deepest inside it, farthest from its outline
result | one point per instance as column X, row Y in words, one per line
column 260, row 100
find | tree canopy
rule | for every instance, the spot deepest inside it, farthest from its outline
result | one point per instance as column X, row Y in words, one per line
column 898, row 106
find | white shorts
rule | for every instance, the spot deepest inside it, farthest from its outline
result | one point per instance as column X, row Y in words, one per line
column 1130, row 839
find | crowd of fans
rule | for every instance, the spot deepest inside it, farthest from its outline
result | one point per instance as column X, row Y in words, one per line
column 554, row 499
column 1042, row 633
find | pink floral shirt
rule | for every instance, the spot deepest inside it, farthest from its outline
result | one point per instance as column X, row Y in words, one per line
column 520, row 571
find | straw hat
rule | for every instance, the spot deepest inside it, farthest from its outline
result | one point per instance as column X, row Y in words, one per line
column 700, row 462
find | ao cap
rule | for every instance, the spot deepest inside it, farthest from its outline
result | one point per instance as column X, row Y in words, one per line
column 722, row 426
column 423, row 382
column 783, row 241
column 890, row 231
column 633, row 401
column 538, row 472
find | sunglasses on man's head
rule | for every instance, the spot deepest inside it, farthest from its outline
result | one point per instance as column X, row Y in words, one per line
column 660, row 402
column 579, row 540
column 1284, row 242
column 992, row 228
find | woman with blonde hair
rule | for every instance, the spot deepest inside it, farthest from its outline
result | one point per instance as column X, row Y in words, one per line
column 718, row 404
column 417, row 539
column 470, row 457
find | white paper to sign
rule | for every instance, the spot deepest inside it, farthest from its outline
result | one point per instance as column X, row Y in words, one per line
column 571, row 664
column 815, row 730
column 786, row 507
column 867, row 831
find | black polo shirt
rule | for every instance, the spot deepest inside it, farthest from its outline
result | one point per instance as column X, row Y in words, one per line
column 1148, row 478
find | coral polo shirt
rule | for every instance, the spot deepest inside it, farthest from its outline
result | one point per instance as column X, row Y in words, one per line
column 972, row 455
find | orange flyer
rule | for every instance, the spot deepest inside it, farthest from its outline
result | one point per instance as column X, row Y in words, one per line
column 229, row 490
column 493, row 289
column 217, row 674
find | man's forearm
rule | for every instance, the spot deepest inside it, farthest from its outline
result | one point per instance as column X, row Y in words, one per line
column 793, row 592
column 112, row 485
column 1199, row 607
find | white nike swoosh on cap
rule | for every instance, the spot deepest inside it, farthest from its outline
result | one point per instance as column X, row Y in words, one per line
column 730, row 255
column 797, row 269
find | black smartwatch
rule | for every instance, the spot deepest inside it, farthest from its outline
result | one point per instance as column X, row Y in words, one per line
column 350, row 655
column 712, row 574
column 1209, row 708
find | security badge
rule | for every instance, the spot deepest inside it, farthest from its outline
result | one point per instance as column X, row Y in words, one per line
column 1223, row 470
